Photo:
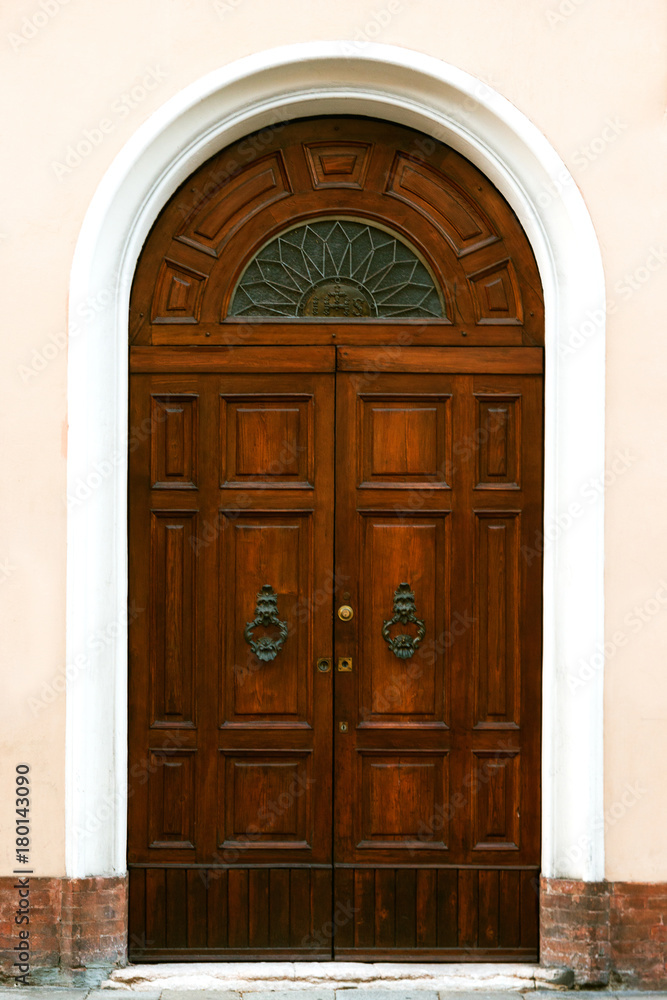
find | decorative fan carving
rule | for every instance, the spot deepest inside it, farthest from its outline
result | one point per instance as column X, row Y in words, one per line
column 336, row 268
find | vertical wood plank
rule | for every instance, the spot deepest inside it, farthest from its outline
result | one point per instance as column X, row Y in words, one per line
column 176, row 910
column 510, row 913
column 258, row 908
column 385, row 908
column 448, row 896
column 406, row 908
column 322, row 889
column 137, row 910
column 217, row 908
column 364, row 895
column 344, row 909
column 426, row 908
column 300, row 907
column 279, row 908
column 196, row 908
column 530, row 897
column 468, row 907
column 155, row 908
column 488, row 909
column 237, row 896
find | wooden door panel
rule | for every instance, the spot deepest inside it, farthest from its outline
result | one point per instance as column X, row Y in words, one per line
column 280, row 782
column 231, row 478
column 172, row 610
column 437, row 793
column 401, row 548
column 249, row 698
column 436, row 808
column 272, row 549
column 267, row 442
column 404, row 441
column 497, row 656
column 399, row 793
column 174, row 447
column 498, row 427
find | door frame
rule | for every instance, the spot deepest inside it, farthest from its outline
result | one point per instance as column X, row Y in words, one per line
column 256, row 92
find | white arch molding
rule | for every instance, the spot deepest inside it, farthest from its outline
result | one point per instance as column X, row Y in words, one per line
column 419, row 91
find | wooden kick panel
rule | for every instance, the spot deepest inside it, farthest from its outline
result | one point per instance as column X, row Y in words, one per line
column 431, row 914
column 244, row 913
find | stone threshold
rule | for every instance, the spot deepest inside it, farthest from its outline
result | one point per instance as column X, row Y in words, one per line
column 251, row 977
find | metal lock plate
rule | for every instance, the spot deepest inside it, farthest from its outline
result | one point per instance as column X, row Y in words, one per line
column 324, row 664
column 345, row 613
column 345, row 664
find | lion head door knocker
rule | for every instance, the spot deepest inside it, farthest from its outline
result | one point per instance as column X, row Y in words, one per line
column 266, row 615
column 404, row 646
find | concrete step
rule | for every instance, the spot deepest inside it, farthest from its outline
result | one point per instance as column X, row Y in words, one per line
column 353, row 977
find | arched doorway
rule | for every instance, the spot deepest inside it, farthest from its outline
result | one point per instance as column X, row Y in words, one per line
column 335, row 280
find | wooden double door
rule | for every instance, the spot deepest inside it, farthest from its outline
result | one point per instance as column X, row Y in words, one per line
column 335, row 653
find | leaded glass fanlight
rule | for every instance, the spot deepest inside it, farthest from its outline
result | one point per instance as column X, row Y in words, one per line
column 337, row 268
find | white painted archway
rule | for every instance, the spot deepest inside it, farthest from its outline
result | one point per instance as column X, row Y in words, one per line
column 421, row 92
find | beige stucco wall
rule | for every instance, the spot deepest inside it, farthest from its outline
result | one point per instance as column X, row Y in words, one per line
column 590, row 74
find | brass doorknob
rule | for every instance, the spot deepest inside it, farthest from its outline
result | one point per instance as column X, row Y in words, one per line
column 345, row 613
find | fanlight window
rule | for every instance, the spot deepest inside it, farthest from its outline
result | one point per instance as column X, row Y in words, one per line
column 337, row 268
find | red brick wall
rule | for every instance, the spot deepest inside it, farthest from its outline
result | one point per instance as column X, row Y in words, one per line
column 605, row 931
column 74, row 923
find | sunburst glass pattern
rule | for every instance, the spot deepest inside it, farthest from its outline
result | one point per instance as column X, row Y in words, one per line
column 336, row 268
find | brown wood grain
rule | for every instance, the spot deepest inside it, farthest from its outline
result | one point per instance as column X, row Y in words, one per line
column 434, row 200
column 333, row 461
column 472, row 360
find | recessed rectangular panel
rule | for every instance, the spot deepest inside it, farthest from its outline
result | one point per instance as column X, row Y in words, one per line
column 266, row 441
column 404, row 441
column 403, row 800
column 496, row 628
column 174, row 432
column 338, row 164
column 178, row 294
column 496, row 295
column 171, row 798
column 403, row 665
column 264, row 799
column 252, row 187
column 172, row 617
column 266, row 657
column 498, row 436
column 433, row 193
column 496, row 800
